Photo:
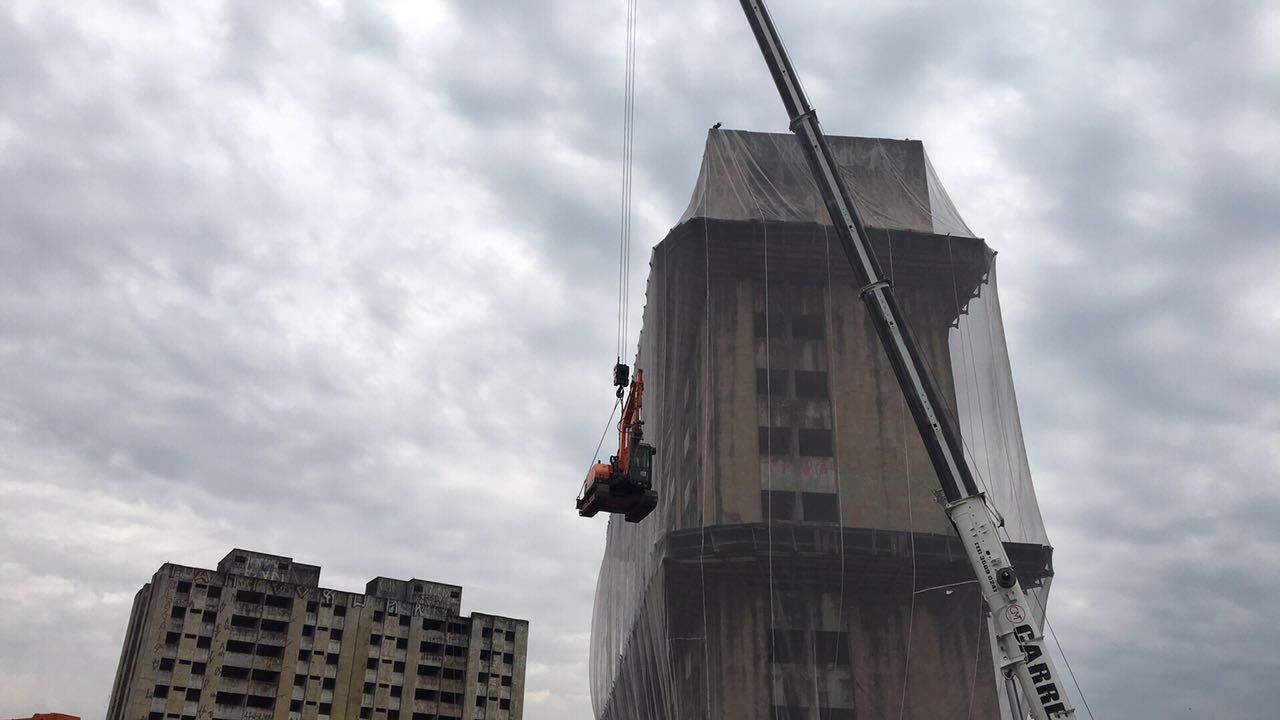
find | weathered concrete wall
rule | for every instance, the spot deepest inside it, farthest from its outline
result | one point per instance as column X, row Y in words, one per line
column 228, row 646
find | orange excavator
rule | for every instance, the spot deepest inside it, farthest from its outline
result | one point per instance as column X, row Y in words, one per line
column 624, row 484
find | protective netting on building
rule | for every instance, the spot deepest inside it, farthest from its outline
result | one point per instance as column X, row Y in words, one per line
column 798, row 564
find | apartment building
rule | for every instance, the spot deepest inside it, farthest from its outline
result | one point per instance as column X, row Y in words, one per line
column 257, row 638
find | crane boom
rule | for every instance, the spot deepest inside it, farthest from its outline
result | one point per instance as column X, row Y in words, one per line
column 1022, row 649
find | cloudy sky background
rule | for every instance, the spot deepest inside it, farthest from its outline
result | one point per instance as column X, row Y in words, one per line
column 337, row 282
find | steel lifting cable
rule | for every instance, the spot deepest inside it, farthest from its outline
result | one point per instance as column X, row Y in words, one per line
column 911, row 523
column 835, row 433
column 628, row 135
column 768, row 390
column 703, row 501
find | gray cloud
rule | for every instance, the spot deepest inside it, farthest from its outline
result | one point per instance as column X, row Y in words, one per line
column 336, row 281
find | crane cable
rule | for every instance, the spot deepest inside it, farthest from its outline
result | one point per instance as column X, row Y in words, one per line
column 628, row 134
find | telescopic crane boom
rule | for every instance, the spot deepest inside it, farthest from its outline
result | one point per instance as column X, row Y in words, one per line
column 1021, row 645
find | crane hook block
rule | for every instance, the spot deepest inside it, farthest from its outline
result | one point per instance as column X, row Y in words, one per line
column 621, row 376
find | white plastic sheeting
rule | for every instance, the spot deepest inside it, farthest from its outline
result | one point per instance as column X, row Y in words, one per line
column 798, row 564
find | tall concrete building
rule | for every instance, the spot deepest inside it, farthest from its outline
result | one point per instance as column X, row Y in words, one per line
column 259, row 639
column 799, row 566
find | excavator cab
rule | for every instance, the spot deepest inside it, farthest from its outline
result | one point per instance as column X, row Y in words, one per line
column 624, row 485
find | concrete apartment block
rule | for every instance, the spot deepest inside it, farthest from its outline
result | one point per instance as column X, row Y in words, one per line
column 259, row 639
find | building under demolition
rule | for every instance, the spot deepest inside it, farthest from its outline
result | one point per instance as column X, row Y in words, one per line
column 799, row 565
column 259, row 639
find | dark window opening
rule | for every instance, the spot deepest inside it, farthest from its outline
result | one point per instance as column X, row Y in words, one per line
column 775, row 441
column 371, row 664
column 274, row 625
column 504, row 704
column 451, row 674
column 811, row 384
column 405, row 620
column 214, row 592
column 271, row 651
column 398, row 666
column 260, row 701
column 239, row 646
column 820, row 507
column 788, row 646
column 369, row 688
column 244, row 621
column 340, row 611
column 172, row 638
column 295, row 706
column 232, row 672
column 160, row 691
column 204, row 642
column 335, row 634
column 327, row 683
column 193, row 694
column 432, row 624
column 831, row 647
column 166, row 664
column 511, row 636
column 396, row 691
column 808, row 327
column 209, row 616
column 248, row 596
column 815, row 442
column 424, row 694
column 771, row 382
column 277, row 601
column 226, row 698
column 506, row 681
column 269, row 676
column 378, row 615
column 778, row 504
column 777, row 327
column 326, row 708
column 331, row 659
column 508, row 658
column 299, row 680
column 402, row 643
column 183, row 586
column 198, row 668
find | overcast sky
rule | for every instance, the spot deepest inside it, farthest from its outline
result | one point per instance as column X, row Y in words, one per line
column 337, row 282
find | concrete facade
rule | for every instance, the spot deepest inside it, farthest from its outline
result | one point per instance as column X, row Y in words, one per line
column 259, row 639
column 797, row 517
